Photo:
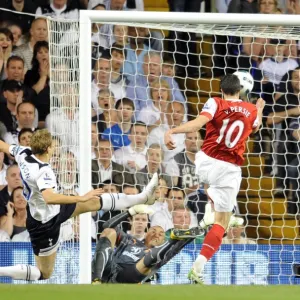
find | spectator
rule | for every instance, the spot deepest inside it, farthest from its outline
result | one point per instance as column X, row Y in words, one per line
column 154, row 113
column 59, row 9
column 272, row 71
column 139, row 224
column 95, row 135
column 154, row 160
column 164, row 218
column 168, row 66
column 15, row 71
column 17, row 33
column 26, row 7
column 99, row 38
column 138, row 88
column 293, row 7
column 110, row 187
column 120, row 35
column 67, row 177
column 286, row 108
column 155, row 38
column 104, row 168
column 25, row 117
column 13, row 179
column 3, row 167
column 66, row 119
column 38, row 32
column 108, row 115
column 118, row 134
column 6, row 220
column 133, row 156
column 13, row 94
column 57, row 152
column 183, row 44
column 182, row 169
column 102, row 80
column 38, row 79
column 118, row 53
column 6, row 40
column 135, row 52
column 160, row 196
column 260, row 47
column 181, row 218
column 236, row 235
column 292, row 179
column 24, row 137
column 20, row 212
column 175, row 117
column 244, row 6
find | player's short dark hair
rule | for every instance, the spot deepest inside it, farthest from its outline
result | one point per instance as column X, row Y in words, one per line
column 14, row 58
column 22, row 131
column 175, row 189
column 118, row 48
column 230, row 84
column 125, row 101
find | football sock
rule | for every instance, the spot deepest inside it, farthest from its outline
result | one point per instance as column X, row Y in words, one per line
column 102, row 254
column 210, row 246
column 21, row 272
column 121, row 201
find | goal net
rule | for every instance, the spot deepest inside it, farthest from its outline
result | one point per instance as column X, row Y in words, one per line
column 119, row 79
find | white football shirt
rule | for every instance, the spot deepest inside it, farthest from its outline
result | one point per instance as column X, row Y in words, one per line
column 36, row 177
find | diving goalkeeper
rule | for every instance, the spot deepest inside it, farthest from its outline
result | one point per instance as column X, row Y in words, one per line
column 120, row 258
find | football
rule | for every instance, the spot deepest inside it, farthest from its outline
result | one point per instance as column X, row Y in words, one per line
column 246, row 81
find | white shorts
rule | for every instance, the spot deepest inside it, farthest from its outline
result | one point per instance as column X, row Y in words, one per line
column 223, row 179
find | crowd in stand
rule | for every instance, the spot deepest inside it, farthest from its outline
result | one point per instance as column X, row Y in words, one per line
column 136, row 98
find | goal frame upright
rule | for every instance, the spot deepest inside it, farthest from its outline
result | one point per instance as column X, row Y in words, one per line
column 191, row 22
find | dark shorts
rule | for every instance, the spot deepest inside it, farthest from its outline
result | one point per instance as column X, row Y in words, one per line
column 114, row 273
column 45, row 237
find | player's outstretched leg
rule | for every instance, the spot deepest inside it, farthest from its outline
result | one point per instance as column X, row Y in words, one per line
column 43, row 270
column 122, row 201
column 103, row 253
column 110, row 202
column 211, row 245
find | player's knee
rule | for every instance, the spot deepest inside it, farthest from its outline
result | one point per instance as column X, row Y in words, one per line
column 110, row 233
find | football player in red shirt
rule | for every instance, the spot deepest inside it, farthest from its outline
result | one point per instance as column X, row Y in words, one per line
column 229, row 122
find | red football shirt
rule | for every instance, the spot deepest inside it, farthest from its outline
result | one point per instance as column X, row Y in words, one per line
column 231, row 123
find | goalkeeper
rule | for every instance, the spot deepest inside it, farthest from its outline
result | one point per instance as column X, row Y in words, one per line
column 120, row 258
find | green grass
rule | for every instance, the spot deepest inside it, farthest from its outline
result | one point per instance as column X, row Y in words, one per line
column 145, row 292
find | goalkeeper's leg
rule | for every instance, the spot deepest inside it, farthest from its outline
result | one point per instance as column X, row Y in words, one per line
column 110, row 202
column 103, row 252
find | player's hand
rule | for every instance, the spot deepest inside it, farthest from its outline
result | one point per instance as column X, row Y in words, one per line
column 92, row 195
column 140, row 209
column 169, row 141
column 260, row 103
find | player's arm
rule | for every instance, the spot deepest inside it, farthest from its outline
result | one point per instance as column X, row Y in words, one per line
column 191, row 126
column 278, row 117
column 4, row 147
column 260, row 104
column 118, row 219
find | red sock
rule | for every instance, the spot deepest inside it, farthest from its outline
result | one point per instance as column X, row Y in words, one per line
column 212, row 241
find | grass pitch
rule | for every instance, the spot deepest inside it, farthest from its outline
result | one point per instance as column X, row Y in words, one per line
column 147, row 292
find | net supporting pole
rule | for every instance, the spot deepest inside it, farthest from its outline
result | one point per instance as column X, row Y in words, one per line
column 191, row 18
column 85, row 252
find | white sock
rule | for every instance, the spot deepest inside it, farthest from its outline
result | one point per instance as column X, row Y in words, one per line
column 112, row 202
column 21, row 272
column 199, row 263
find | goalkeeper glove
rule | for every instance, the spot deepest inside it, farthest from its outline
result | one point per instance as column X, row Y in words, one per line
column 140, row 209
